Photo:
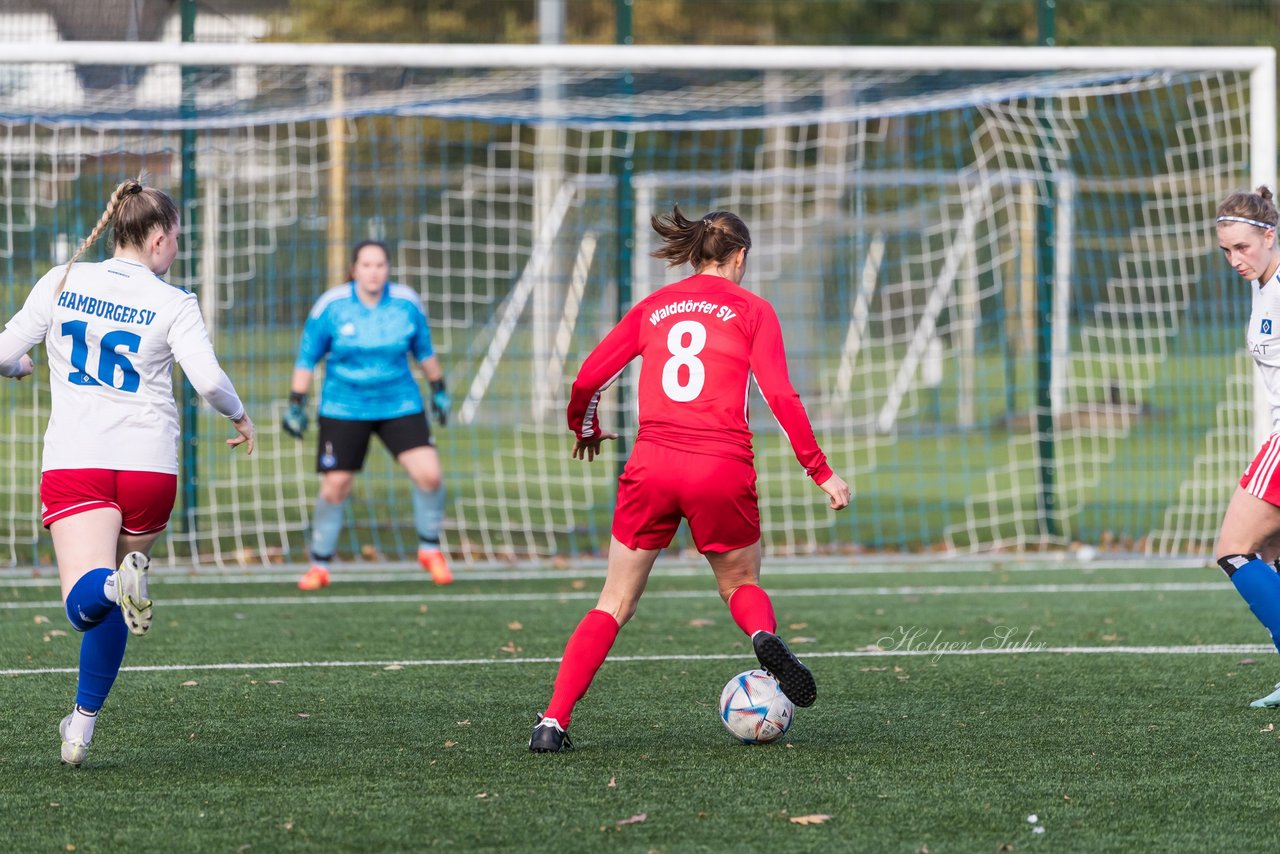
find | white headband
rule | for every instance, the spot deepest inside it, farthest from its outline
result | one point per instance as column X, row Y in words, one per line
column 1246, row 221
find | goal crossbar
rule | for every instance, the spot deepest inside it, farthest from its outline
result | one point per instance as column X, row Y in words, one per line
column 615, row 57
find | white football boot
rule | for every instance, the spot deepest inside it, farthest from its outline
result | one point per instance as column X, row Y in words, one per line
column 1270, row 701
column 73, row 750
column 131, row 586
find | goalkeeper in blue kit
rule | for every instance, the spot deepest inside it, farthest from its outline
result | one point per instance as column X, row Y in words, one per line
column 366, row 330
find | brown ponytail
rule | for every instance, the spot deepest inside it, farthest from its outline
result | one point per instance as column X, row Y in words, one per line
column 699, row 242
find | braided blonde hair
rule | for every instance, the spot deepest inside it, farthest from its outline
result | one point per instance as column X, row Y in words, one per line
column 132, row 212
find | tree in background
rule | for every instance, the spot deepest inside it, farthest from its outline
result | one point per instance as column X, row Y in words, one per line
column 829, row 22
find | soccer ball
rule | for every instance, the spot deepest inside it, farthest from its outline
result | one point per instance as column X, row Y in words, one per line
column 754, row 709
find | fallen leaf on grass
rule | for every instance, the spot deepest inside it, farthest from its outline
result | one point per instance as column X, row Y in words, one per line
column 393, row 667
column 613, row 782
column 802, row 639
column 482, row 795
column 303, row 715
column 816, row 818
column 450, row 743
column 422, row 609
column 701, row 623
column 578, row 584
column 190, row 683
column 635, row 819
column 1268, row 728
column 463, row 723
column 1245, row 662
column 872, row 669
column 798, row 626
column 512, row 648
column 275, row 681
column 515, row 625
column 39, row 619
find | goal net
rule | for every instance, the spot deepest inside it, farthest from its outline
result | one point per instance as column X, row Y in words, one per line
column 995, row 271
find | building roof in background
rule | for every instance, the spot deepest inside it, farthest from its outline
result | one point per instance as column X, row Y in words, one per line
column 118, row 20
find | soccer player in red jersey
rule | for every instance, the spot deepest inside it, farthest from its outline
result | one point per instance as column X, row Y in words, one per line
column 702, row 340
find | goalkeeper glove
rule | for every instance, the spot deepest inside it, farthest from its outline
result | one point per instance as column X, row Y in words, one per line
column 440, row 403
column 294, row 421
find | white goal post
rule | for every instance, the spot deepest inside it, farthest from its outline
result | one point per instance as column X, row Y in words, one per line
column 993, row 267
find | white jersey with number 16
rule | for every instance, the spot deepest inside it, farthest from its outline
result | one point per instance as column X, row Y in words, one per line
column 112, row 334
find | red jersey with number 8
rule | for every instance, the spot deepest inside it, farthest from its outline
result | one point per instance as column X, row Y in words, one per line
column 701, row 340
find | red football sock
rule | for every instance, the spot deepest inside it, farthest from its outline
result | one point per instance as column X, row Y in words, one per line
column 752, row 610
column 583, row 655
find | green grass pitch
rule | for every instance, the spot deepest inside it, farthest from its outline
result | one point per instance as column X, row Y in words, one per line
column 386, row 715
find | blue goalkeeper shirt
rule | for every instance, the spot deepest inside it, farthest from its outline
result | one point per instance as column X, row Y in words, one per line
column 367, row 375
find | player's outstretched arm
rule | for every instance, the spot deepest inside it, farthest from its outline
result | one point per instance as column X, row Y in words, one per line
column 588, row 449
column 835, row 487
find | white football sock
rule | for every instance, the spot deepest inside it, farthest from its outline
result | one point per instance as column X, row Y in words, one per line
column 81, row 726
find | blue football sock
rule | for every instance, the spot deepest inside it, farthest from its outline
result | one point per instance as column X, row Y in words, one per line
column 1259, row 585
column 428, row 514
column 101, row 651
column 87, row 603
column 326, row 525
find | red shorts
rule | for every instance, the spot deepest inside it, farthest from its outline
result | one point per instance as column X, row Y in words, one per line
column 660, row 485
column 144, row 498
column 1260, row 478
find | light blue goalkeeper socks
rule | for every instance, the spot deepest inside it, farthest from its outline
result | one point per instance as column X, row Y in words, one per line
column 326, row 525
column 428, row 514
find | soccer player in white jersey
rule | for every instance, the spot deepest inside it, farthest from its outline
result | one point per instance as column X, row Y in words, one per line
column 109, row 475
column 366, row 330
column 1249, row 539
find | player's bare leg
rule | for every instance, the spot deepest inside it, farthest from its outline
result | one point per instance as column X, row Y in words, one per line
column 103, row 604
column 591, row 641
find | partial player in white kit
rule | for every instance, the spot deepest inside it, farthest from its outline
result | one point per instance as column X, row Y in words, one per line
column 109, row 474
column 1249, row 539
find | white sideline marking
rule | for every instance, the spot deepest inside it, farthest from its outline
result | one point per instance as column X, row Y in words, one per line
column 343, row 574
column 438, row 598
column 1206, row 649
